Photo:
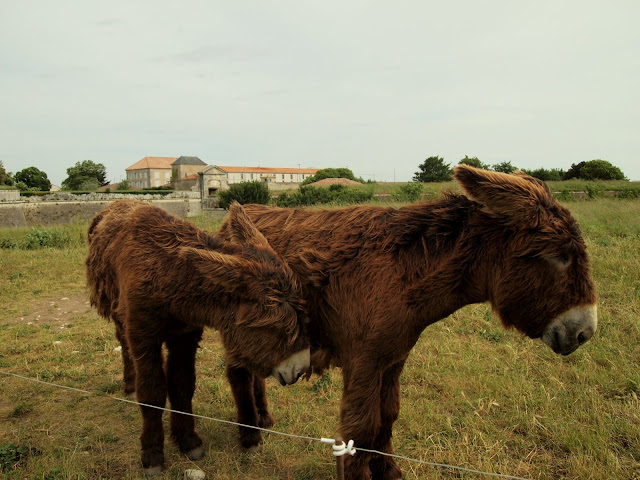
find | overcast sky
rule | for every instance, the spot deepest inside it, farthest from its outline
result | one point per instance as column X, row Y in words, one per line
column 374, row 86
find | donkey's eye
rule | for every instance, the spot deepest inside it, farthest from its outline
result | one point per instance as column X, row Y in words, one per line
column 563, row 259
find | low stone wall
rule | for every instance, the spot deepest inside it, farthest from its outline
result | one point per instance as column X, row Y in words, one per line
column 106, row 197
column 281, row 186
column 28, row 214
column 9, row 195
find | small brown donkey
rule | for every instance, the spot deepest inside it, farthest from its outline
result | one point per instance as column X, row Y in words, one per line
column 375, row 277
column 162, row 280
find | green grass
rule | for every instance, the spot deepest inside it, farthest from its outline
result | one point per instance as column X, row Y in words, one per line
column 473, row 394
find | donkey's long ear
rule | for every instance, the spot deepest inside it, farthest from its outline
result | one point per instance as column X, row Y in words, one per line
column 242, row 229
column 517, row 199
column 230, row 272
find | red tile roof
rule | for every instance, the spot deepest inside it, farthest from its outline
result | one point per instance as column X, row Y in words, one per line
column 152, row 162
column 311, row 171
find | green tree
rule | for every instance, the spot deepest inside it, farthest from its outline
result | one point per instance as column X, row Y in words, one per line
column 433, row 169
column 245, row 192
column 600, row 170
column 5, row 177
column 504, row 167
column 85, row 175
column 473, row 162
column 574, row 171
column 554, row 174
column 33, row 178
column 331, row 173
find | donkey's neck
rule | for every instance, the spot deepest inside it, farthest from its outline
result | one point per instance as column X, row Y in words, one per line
column 443, row 247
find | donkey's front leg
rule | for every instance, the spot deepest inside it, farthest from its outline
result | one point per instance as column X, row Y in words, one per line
column 181, row 382
column 151, row 389
column 242, row 386
column 265, row 420
column 382, row 467
column 360, row 415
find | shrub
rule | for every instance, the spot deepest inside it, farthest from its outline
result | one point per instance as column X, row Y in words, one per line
column 40, row 238
column 124, row 185
column 409, row 192
column 504, row 167
column 595, row 170
column 629, row 193
column 336, row 194
column 555, row 174
column 8, row 244
column 600, row 170
column 12, row 454
column 331, row 173
column 245, row 192
column 473, row 162
column 565, row 195
column 592, row 192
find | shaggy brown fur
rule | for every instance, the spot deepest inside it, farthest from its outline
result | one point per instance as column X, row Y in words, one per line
column 375, row 277
column 162, row 280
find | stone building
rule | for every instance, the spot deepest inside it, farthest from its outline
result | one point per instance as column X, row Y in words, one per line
column 186, row 166
column 218, row 177
column 150, row 172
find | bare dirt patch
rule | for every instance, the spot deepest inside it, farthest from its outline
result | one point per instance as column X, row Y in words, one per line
column 57, row 310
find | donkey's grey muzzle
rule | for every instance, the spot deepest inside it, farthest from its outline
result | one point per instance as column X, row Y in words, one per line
column 293, row 367
column 571, row 329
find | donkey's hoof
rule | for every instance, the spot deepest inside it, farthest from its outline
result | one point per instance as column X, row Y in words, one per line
column 265, row 420
column 254, row 450
column 153, row 471
column 131, row 396
column 195, row 454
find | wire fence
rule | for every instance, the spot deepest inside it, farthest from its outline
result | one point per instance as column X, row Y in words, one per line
column 266, row 430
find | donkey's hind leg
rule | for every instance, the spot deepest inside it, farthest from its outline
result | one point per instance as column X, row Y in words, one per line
column 129, row 371
column 151, row 389
column 181, row 384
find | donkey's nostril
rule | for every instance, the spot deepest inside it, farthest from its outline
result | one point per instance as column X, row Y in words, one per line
column 582, row 338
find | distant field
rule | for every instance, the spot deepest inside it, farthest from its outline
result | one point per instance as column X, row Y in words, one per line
column 473, row 394
column 433, row 189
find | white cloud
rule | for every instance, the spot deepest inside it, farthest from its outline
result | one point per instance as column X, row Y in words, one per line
column 370, row 85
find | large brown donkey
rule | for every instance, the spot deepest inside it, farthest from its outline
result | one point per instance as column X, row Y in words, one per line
column 161, row 280
column 375, row 277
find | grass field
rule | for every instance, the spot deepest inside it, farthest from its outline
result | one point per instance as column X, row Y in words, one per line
column 473, row 394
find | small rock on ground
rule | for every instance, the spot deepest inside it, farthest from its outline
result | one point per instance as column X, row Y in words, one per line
column 194, row 474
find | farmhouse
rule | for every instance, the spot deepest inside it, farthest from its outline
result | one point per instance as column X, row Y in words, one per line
column 159, row 171
column 217, row 177
column 187, row 173
column 150, row 172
